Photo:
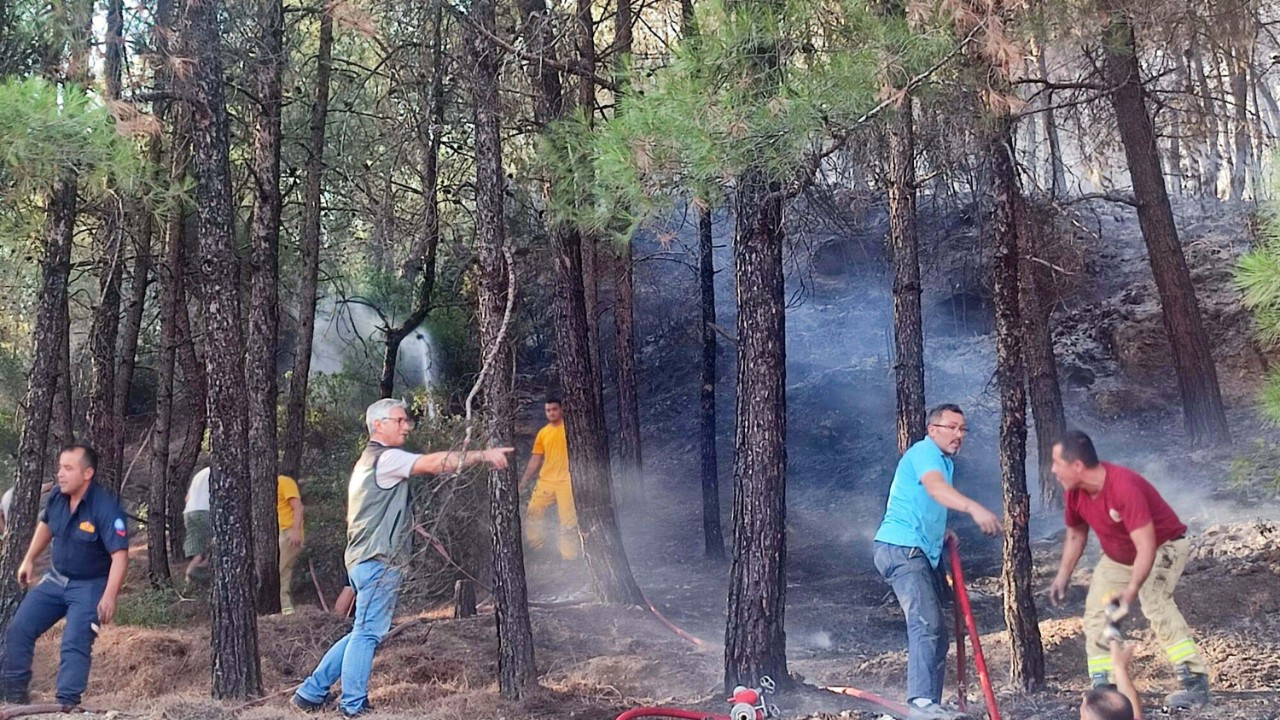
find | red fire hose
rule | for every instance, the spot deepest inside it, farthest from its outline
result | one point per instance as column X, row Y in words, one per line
column 962, row 684
column 661, row 712
column 893, row 707
column 962, row 603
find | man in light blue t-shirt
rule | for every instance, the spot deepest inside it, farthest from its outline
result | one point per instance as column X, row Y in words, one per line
column 909, row 547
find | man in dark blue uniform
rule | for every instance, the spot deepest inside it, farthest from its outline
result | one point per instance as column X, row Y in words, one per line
column 90, row 541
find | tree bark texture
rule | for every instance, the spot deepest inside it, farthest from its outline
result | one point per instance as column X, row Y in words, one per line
column 100, row 420
column 1238, row 58
column 586, row 45
column 606, row 560
column 1042, row 366
column 182, row 466
column 630, row 457
column 1205, row 421
column 170, row 272
column 42, row 383
column 1027, row 652
column 712, row 536
column 236, row 670
column 1211, row 157
column 264, row 307
column 755, row 637
column 904, row 254
column 296, row 411
column 516, row 667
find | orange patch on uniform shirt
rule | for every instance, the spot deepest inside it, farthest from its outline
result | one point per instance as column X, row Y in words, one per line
column 87, row 526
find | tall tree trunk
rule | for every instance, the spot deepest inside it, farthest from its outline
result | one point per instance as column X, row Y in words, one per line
column 1239, row 59
column 422, row 260
column 182, row 466
column 516, row 668
column 755, row 637
column 713, row 538
column 630, row 457
column 1026, row 650
column 296, row 411
column 264, row 306
column 1057, row 169
column 170, row 291
column 1206, row 423
column 1211, row 159
column 236, row 669
column 904, row 254
column 102, row 424
column 611, row 576
column 42, row 383
column 100, row 420
column 1042, row 367
column 585, row 39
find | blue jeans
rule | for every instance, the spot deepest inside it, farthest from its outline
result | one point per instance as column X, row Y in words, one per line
column 376, row 584
column 47, row 603
column 915, row 582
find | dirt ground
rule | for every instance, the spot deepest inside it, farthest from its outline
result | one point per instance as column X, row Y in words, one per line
column 843, row 629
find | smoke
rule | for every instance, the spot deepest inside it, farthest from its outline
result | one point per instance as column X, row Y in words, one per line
column 349, row 336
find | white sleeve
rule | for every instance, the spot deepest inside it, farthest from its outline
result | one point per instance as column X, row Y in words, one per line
column 395, row 465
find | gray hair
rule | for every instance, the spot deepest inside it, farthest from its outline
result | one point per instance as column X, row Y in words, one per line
column 935, row 413
column 381, row 410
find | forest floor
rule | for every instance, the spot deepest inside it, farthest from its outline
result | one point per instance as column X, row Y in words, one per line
column 844, row 628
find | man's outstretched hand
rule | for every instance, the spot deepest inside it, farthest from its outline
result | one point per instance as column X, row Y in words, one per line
column 497, row 457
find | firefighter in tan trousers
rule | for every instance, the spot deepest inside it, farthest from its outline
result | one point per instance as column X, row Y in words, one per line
column 550, row 461
column 1144, row 551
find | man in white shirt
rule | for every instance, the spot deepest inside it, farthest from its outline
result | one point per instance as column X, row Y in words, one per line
column 198, row 540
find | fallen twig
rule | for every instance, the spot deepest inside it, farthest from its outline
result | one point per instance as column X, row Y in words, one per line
column 316, row 581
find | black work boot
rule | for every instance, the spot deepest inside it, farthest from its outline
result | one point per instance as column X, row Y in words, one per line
column 1194, row 693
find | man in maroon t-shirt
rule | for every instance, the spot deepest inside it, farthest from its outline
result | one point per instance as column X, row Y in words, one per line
column 1144, row 550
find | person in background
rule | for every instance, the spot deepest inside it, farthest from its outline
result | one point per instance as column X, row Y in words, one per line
column 198, row 540
column 6, row 502
column 550, row 462
column 90, row 539
column 1114, row 703
column 289, row 515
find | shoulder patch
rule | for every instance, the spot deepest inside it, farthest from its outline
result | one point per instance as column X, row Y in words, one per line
column 119, row 527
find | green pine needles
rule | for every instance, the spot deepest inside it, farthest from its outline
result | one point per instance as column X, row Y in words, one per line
column 1258, row 277
column 764, row 85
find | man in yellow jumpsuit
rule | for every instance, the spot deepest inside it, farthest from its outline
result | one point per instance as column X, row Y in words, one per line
column 550, row 461
column 289, row 515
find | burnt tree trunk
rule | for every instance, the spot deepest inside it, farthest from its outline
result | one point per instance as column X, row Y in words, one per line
column 755, row 637
column 516, row 668
column 1042, row 367
column 606, row 560
column 630, row 457
column 264, row 306
column 236, row 669
column 1026, row 650
column 422, row 260
column 904, row 254
column 1211, row 156
column 1205, row 421
column 42, row 383
column 1238, row 59
column 295, row 434
column 712, row 536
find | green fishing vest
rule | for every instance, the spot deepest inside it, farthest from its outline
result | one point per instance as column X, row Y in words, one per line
column 378, row 519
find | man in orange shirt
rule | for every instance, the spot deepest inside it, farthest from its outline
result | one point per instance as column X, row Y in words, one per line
column 289, row 515
column 550, row 461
